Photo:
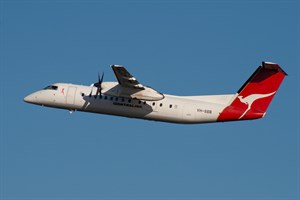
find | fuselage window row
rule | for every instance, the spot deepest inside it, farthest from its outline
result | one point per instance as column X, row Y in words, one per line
column 123, row 99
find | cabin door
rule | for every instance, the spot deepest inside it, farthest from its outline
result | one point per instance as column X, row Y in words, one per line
column 71, row 95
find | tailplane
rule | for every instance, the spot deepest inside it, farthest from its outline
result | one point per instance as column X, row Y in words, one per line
column 254, row 97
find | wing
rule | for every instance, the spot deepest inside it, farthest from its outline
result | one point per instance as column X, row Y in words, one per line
column 131, row 88
column 125, row 78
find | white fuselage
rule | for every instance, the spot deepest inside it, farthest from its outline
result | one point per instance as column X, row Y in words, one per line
column 175, row 109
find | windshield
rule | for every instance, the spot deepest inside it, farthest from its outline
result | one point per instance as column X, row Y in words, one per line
column 51, row 87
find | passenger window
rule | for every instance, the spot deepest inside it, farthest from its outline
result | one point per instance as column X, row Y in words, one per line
column 129, row 100
column 105, row 97
column 170, row 106
column 82, row 94
column 117, row 99
column 153, row 104
column 160, row 104
column 111, row 98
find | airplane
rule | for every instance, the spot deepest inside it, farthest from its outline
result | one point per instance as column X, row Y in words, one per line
column 129, row 98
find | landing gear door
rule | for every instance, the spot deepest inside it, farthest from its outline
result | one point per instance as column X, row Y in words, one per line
column 71, row 95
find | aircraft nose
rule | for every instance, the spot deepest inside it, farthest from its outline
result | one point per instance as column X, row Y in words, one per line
column 30, row 99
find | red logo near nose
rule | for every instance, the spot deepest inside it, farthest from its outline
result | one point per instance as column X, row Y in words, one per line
column 63, row 91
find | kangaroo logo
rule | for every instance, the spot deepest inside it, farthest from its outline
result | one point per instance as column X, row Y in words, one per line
column 249, row 100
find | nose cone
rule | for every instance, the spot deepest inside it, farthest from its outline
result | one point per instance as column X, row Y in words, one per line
column 30, row 99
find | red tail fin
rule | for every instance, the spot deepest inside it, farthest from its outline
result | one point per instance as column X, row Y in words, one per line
column 255, row 95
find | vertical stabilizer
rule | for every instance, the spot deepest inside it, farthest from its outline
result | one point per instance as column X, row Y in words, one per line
column 254, row 97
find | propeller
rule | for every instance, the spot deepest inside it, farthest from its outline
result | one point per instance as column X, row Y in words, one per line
column 98, row 85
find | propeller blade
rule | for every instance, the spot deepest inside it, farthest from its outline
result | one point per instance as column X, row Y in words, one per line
column 91, row 91
column 101, row 80
column 97, row 92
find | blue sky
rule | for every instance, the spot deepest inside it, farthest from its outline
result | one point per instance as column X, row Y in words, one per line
column 177, row 47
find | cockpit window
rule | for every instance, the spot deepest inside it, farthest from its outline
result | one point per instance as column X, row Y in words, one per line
column 51, row 87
